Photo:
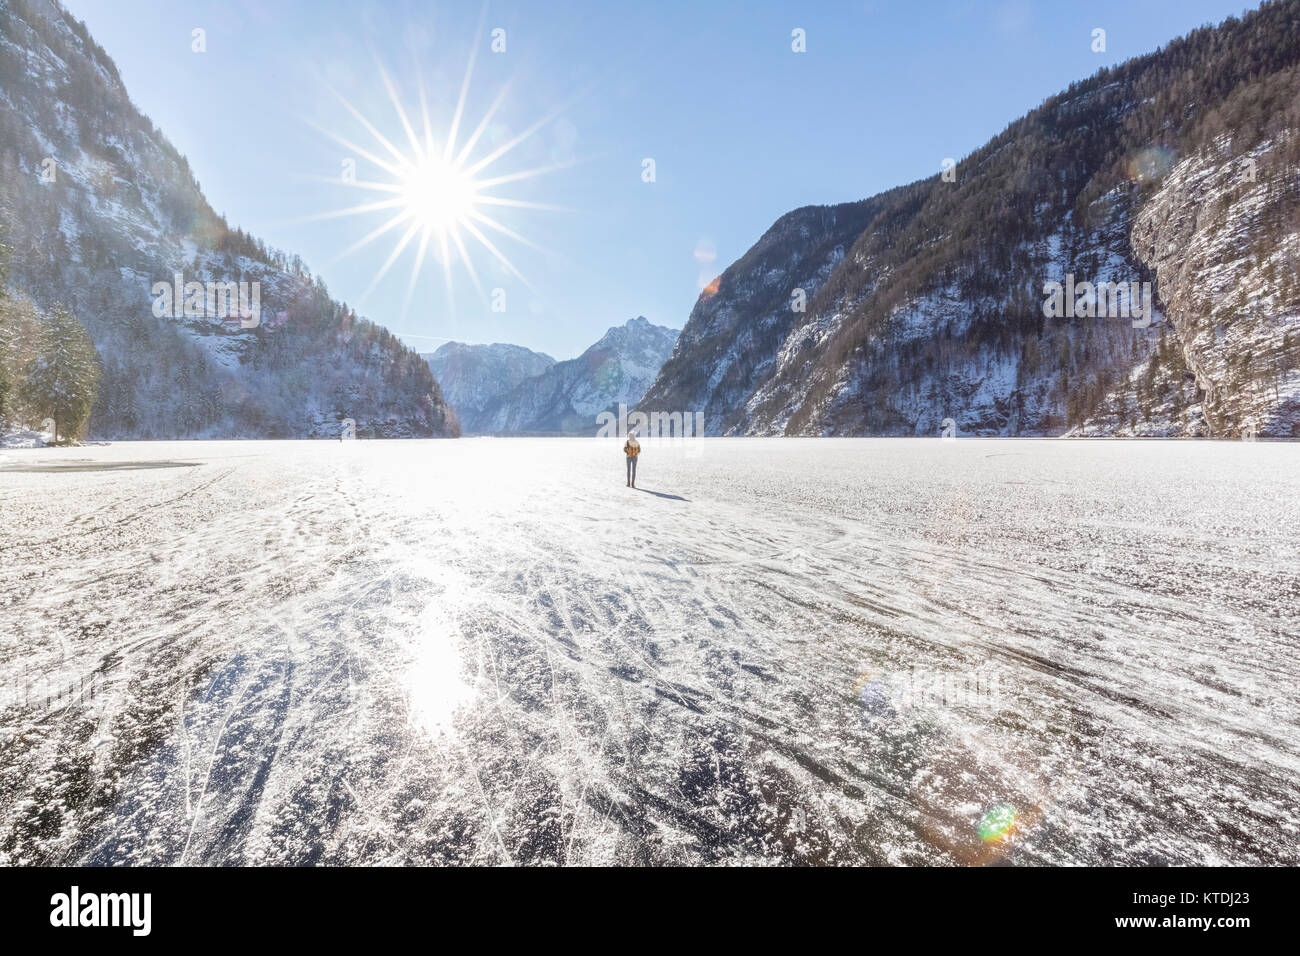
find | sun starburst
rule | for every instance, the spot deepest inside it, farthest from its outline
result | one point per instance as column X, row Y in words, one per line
column 437, row 192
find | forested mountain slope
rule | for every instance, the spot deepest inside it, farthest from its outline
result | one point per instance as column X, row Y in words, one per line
column 1180, row 168
column 98, row 207
column 473, row 376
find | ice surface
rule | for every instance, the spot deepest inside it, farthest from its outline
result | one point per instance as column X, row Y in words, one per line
column 777, row 651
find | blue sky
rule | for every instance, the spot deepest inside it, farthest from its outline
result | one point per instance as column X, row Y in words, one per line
column 741, row 128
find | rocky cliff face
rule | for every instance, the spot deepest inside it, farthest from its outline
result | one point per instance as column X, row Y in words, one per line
column 98, row 207
column 1223, row 236
column 474, row 376
column 741, row 321
column 567, row 398
column 925, row 305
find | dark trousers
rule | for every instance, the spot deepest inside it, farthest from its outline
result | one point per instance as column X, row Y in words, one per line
column 631, row 471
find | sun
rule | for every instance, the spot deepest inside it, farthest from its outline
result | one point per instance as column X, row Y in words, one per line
column 438, row 196
column 437, row 192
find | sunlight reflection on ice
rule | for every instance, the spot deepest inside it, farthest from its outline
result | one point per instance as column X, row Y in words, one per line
column 434, row 686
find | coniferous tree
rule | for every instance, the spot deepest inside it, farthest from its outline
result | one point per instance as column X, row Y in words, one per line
column 4, row 323
column 63, row 379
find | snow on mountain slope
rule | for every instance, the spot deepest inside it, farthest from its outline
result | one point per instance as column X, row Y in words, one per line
column 1235, row 304
column 472, row 376
column 739, row 322
column 567, row 397
column 97, row 207
column 928, row 305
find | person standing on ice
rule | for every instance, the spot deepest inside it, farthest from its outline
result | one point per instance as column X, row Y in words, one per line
column 631, row 448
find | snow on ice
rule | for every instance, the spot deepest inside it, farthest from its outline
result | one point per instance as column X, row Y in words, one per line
column 776, row 651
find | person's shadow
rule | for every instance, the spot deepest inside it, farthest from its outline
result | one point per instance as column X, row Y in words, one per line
column 660, row 494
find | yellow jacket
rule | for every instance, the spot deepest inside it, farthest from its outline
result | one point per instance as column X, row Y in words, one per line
column 632, row 448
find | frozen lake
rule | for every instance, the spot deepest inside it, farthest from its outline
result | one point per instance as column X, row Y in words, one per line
column 777, row 651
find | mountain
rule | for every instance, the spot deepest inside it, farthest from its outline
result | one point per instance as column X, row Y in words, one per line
column 99, row 209
column 472, row 376
column 567, row 397
column 928, row 303
column 739, row 323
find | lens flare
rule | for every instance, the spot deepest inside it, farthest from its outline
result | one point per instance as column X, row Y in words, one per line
column 875, row 695
column 998, row 823
column 1150, row 165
